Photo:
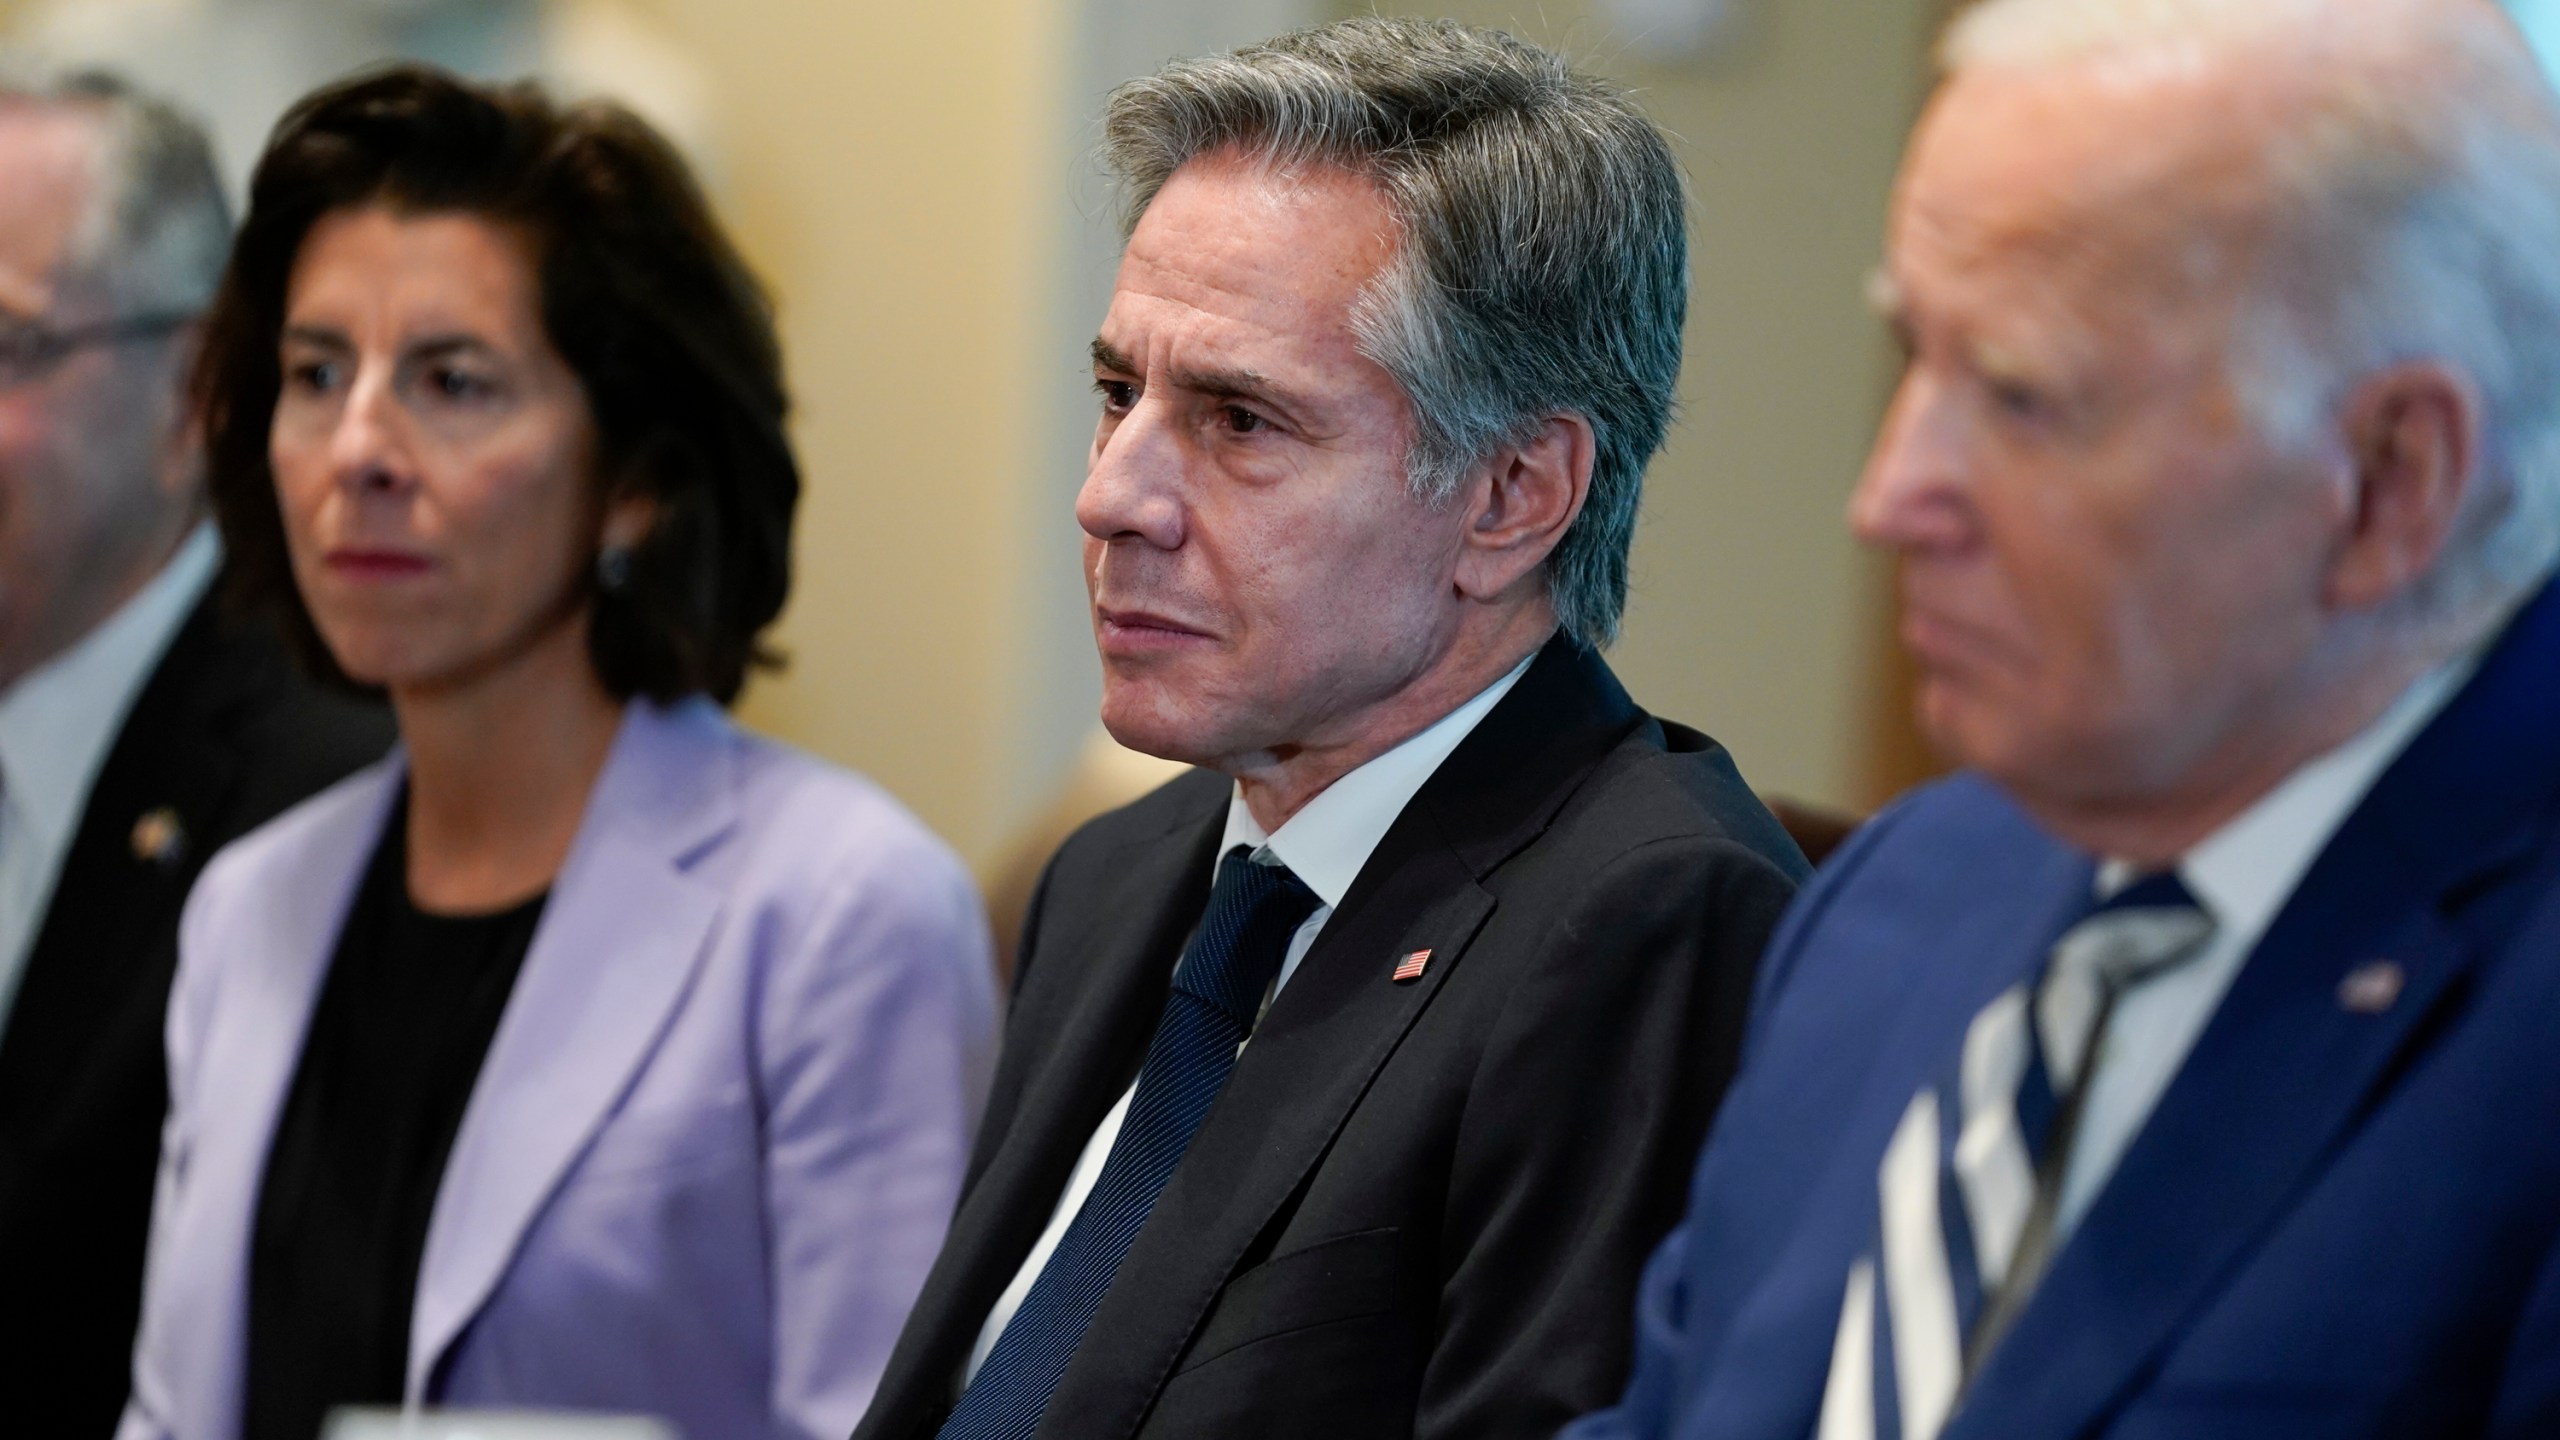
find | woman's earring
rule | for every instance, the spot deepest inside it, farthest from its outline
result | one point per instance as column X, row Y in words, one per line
column 613, row 569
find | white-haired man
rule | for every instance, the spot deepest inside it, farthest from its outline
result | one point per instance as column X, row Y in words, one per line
column 2185, row 1068
column 140, row 728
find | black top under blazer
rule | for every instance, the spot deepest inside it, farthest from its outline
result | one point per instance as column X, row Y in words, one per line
column 223, row 735
column 1417, row 1209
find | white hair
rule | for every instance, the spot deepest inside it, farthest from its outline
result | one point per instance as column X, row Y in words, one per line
column 2411, row 153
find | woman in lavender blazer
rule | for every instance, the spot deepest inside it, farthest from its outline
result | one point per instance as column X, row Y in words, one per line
column 588, row 1053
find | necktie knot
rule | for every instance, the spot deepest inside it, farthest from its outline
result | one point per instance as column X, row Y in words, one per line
column 2148, row 927
column 1244, row 934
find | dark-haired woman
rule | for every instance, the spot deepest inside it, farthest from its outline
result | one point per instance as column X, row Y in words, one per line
column 588, row 1054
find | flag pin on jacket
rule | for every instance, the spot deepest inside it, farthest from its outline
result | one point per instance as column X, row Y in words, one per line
column 2373, row 988
column 159, row 838
column 1410, row 968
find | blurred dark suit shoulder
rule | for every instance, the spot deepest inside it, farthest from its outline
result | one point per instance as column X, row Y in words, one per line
column 1416, row 1209
column 224, row 734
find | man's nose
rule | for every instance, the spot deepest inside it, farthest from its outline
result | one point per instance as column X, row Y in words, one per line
column 1133, row 484
column 1913, row 493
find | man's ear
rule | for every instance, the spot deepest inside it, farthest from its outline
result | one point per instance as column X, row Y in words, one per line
column 179, row 460
column 2413, row 441
column 1520, row 503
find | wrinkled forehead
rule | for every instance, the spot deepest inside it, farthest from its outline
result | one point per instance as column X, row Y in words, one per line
column 2145, row 189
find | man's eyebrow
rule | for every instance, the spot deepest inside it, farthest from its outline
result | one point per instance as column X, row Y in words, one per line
column 1217, row 383
column 1226, row 384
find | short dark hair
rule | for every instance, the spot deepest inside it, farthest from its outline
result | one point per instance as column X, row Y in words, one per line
column 667, row 331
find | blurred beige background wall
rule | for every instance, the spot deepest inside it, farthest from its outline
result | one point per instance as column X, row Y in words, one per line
column 887, row 168
column 914, row 182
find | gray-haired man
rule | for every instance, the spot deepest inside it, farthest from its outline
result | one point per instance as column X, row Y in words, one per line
column 1395, row 333
column 138, row 729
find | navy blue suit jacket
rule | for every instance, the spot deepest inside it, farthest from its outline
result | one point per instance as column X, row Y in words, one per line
column 2335, row 1224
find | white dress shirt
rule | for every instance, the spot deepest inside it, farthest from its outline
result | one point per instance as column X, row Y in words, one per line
column 56, row 726
column 2242, row 874
column 1325, row 844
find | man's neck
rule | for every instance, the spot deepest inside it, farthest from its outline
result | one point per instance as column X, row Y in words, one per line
column 1277, row 784
column 2154, row 828
column 96, row 591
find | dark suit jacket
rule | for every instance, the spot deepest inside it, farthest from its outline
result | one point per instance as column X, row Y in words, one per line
column 2342, row 1222
column 1417, row 1209
column 223, row 735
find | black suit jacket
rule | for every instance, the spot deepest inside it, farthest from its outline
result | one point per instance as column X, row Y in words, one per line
column 1417, row 1209
column 223, row 735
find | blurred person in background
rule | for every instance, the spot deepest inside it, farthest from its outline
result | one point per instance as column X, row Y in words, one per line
column 589, row 1054
column 2184, row 1068
column 1395, row 333
column 141, row 726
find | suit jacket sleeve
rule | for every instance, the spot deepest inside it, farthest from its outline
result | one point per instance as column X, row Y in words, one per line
column 1630, row 1019
column 876, row 1030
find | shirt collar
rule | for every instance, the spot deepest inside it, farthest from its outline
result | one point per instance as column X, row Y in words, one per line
column 1327, row 842
column 58, row 721
column 2243, row 872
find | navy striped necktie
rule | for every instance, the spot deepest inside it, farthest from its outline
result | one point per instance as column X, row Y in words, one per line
column 1970, row 1181
column 1230, row 962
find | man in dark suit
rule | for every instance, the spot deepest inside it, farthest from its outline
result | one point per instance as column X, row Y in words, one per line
column 140, row 729
column 1395, row 333
column 2186, row 1067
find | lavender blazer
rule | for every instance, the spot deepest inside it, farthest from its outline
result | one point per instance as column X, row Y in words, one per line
column 716, row 1139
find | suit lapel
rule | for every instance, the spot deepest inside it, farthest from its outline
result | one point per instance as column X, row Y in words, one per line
column 176, row 763
column 1333, row 1028
column 621, row 937
column 1118, row 969
column 244, row 1070
column 2284, row 1070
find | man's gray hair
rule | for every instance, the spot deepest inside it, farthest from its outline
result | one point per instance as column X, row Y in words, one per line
column 158, row 228
column 1542, row 266
column 2412, row 164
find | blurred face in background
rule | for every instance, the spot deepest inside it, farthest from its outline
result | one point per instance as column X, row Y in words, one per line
column 94, row 483
column 2111, row 582
column 433, row 454
column 1263, row 581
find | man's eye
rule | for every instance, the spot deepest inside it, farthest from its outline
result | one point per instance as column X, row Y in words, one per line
column 2019, row 402
column 1243, row 421
column 1117, row 395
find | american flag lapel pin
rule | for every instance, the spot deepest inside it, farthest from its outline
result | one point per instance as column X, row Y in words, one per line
column 1410, row 968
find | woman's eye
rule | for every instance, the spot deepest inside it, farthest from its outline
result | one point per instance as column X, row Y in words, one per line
column 457, row 384
column 313, row 376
